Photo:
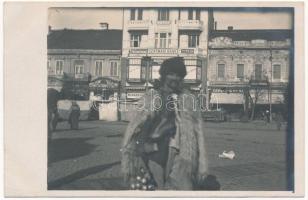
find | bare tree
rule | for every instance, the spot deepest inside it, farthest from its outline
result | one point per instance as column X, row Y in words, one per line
column 255, row 88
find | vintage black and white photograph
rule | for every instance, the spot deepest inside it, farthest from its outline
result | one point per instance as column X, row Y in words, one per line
column 170, row 98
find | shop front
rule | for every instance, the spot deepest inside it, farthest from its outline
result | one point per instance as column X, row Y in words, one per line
column 143, row 68
column 234, row 102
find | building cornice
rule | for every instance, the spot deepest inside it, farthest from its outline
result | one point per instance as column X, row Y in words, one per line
column 83, row 51
column 249, row 48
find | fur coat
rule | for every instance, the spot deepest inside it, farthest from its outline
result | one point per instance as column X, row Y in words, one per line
column 189, row 127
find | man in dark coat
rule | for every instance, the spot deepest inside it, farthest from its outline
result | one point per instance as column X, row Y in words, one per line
column 52, row 100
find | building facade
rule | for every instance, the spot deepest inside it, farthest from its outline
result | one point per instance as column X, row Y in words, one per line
column 242, row 60
column 151, row 35
column 85, row 52
column 221, row 64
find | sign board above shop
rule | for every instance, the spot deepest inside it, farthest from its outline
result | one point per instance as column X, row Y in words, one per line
column 138, row 51
column 134, row 95
column 227, row 90
column 155, row 52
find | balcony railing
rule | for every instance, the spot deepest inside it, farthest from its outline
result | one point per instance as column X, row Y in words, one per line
column 138, row 24
column 194, row 51
column 163, row 22
column 190, row 25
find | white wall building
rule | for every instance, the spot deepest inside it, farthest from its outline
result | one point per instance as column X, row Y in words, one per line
column 151, row 35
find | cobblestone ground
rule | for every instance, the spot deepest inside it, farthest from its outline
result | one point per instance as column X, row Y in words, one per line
column 89, row 159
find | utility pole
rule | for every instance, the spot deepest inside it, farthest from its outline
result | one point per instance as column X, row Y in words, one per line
column 147, row 60
column 270, row 85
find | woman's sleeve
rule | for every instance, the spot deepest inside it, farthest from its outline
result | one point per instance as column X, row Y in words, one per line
column 202, row 147
column 130, row 161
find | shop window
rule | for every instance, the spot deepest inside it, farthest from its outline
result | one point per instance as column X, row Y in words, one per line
column 143, row 73
column 134, row 72
column 193, row 69
column 240, row 71
column 163, row 14
column 276, row 71
column 59, row 67
column 155, row 71
column 99, row 68
column 134, row 69
column 146, row 68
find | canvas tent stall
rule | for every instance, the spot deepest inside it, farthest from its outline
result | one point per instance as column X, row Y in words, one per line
column 104, row 94
column 104, row 87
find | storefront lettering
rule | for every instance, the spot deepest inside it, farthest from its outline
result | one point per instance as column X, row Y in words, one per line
column 134, row 95
column 227, row 90
column 162, row 51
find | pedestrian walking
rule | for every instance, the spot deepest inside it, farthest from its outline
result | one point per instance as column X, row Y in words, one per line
column 52, row 110
column 279, row 120
column 74, row 115
column 267, row 114
column 164, row 144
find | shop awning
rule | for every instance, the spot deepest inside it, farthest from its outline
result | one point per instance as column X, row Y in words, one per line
column 224, row 98
column 238, row 98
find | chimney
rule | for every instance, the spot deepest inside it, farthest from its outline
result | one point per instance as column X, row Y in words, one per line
column 104, row 26
column 215, row 25
column 230, row 28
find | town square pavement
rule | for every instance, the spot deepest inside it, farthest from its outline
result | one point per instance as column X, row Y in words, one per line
column 89, row 158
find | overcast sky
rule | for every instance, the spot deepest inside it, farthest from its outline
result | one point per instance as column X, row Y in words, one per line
column 89, row 18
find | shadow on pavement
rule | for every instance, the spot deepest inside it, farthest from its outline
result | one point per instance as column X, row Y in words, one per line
column 209, row 183
column 57, row 184
column 68, row 148
column 68, row 129
column 117, row 135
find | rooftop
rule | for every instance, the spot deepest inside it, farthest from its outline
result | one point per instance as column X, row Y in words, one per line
column 85, row 39
column 248, row 35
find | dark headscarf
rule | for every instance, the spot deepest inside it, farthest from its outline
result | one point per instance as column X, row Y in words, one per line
column 173, row 65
